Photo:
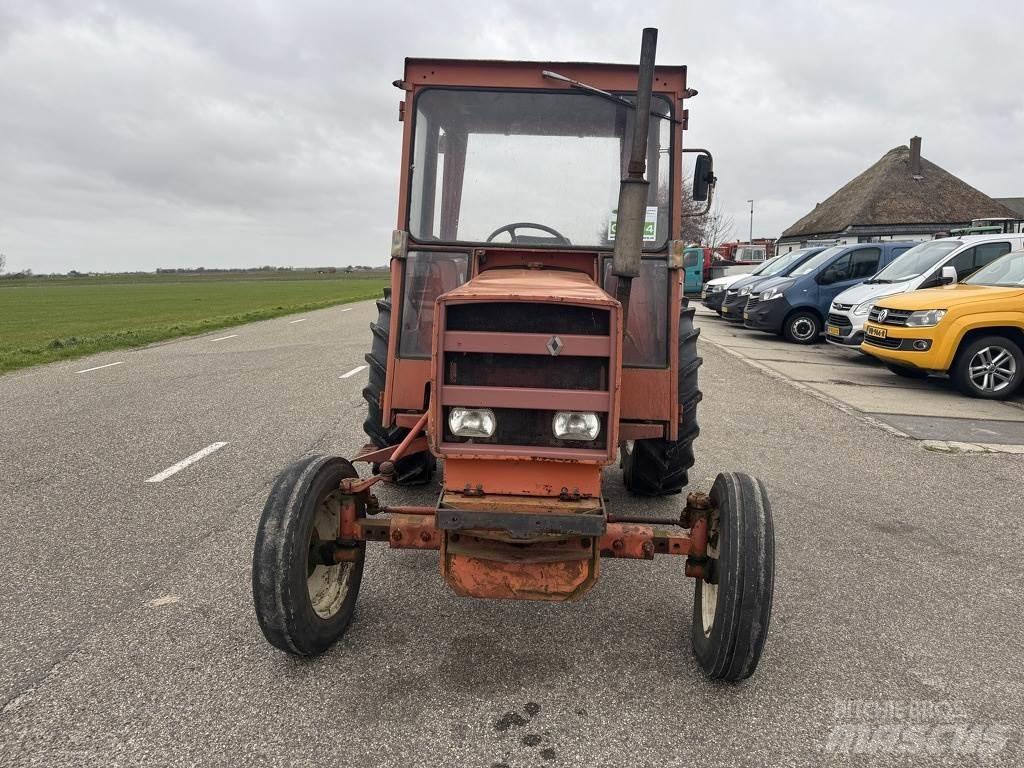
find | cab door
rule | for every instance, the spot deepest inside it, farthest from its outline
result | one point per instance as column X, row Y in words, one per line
column 693, row 270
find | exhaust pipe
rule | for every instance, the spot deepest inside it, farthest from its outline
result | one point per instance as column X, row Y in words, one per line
column 633, row 188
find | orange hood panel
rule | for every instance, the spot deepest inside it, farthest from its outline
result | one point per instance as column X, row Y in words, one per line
column 544, row 285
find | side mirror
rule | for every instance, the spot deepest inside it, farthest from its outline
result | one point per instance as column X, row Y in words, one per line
column 948, row 275
column 703, row 177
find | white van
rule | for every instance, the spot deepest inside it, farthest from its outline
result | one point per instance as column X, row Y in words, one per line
column 920, row 267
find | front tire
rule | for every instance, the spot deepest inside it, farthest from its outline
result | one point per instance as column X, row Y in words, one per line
column 731, row 612
column 802, row 328
column 303, row 605
column 990, row 368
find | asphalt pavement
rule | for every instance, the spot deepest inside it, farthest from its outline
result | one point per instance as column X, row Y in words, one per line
column 128, row 634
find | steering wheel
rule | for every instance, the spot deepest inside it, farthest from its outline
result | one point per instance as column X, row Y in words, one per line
column 511, row 229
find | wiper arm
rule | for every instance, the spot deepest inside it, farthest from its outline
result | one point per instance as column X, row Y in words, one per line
column 598, row 92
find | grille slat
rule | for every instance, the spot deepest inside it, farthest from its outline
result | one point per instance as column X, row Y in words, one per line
column 892, row 316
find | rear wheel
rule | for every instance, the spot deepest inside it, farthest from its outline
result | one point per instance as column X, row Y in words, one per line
column 802, row 328
column 991, row 367
column 732, row 610
column 659, row 467
column 412, row 470
column 304, row 600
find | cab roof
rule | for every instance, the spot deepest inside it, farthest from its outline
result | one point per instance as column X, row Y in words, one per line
column 527, row 74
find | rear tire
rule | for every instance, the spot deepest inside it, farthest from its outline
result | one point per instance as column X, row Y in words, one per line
column 731, row 613
column 801, row 328
column 660, row 467
column 304, row 606
column 411, row 470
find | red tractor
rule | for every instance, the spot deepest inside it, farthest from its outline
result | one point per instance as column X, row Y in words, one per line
column 534, row 333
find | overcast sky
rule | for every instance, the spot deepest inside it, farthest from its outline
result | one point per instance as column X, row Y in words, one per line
column 145, row 133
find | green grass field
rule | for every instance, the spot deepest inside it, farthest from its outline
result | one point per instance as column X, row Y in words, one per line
column 47, row 319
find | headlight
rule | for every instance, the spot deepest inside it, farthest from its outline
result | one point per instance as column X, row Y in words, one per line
column 745, row 292
column 472, row 422
column 576, row 425
column 862, row 309
column 774, row 293
column 925, row 317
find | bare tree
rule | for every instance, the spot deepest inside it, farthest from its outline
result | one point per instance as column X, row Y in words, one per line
column 693, row 221
column 718, row 226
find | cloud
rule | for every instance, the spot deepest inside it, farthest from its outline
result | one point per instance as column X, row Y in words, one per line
column 155, row 133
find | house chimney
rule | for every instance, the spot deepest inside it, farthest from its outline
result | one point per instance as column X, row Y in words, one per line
column 915, row 157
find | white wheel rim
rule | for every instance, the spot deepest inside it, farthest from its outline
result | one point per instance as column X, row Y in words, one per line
column 992, row 369
column 802, row 328
column 709, row 598
column 328, row 585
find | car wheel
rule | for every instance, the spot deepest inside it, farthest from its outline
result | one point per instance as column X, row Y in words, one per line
column 991, row 368
column 802, row 328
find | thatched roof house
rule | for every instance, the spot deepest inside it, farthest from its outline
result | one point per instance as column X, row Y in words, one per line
column 902, row 196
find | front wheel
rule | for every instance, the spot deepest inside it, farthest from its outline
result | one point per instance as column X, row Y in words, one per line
column 991, row 368
column 802, row 328
column 304, row 600
column 732, row 609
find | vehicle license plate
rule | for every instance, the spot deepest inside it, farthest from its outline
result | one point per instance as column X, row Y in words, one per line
column 878, row 333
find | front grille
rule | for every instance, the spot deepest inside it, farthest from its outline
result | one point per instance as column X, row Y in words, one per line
column 731, row 292
column 892, row 316
column 753, row 300
column 491, row 369
column 525, row 361
column 840, row 320
column 887, row 343
column 524, row 317
column 842, row 307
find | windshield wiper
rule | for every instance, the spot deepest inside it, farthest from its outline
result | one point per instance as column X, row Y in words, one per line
column 598, row 92
column 876, row 281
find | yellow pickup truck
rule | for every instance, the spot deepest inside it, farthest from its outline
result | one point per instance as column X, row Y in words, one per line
column 974, row 330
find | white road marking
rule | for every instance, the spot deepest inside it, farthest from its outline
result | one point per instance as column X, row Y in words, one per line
column 165, row 600
column 108, row 365
column 300, row 320
column 348, row 309
column 175, row 468
column 222, row 338
column 353, row 372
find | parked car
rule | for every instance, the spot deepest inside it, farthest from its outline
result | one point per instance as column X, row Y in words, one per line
column 737, row 293
column 920, row 267
column 696, row 269
column 714, row 290
column 795, row 306
column 973, row 330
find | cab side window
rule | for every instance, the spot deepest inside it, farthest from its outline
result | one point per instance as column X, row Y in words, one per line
column 839, row 270
column 427, row 276
column 987, row 252
column 963, row 263
column 865, row 263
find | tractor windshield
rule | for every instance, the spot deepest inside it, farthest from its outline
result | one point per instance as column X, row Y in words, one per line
column 547, row 162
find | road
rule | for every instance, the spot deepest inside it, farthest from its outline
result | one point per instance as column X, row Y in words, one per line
column 129, row 636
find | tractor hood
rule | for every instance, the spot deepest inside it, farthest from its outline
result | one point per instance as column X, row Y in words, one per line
column 542, row 285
